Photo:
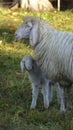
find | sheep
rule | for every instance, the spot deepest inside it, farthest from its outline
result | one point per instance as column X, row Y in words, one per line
column 38, row 78
column 53, row 49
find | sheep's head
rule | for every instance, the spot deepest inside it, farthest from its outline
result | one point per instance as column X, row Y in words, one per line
column 29, row 29
column 23, row 31
column 26, row 63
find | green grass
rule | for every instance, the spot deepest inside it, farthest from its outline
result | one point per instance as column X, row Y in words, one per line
column 15, row 90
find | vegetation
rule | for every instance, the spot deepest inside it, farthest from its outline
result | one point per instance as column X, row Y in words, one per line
column 15, row 89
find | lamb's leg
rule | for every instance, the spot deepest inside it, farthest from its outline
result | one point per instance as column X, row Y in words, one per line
column 45, row 93
column 34, row 96
column 60, row 96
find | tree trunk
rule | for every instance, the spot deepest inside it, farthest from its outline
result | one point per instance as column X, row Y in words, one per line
column 37, row 5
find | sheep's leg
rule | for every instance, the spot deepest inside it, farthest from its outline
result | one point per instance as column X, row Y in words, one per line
column 50, row 92
column 45, row 93
column 60, row 96
column 68, row 102
column 34, row 96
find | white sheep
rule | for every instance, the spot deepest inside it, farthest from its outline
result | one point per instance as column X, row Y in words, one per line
column 53, row 50
column 37, row 78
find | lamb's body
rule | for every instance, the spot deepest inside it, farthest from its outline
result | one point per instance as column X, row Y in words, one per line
column 53, row 49
column 38, row 78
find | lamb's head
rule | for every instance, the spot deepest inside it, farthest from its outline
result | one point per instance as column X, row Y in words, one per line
column 29, row 29
column 26, row 63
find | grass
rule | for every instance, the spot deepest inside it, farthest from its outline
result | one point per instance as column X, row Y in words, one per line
column 15, row 90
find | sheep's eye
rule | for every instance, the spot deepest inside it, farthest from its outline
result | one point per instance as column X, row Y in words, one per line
column 27, row 25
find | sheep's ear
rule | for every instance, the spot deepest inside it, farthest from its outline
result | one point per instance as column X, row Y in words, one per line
column 29, row 24
column 34, row 35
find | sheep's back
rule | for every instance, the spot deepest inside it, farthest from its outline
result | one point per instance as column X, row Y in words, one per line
column 54, row 53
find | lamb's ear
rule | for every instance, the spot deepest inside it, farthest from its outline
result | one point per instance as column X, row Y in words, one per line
column 22, row 66
column 34, row 35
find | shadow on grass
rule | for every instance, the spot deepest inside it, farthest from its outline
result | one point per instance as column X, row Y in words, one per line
column 6, row 35
column 15, row 100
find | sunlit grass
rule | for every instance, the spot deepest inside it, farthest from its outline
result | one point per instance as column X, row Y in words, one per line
column 15, row 90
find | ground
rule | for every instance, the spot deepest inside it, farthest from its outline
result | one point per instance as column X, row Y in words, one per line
column 15, row 89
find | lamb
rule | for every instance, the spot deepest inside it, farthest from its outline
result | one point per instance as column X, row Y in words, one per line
column 38, row 78
column 53, row 50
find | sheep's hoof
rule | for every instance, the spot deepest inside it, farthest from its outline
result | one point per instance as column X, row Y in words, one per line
column 46, row 106
column 69, row 108
column 62, row 110
column 32, row 106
